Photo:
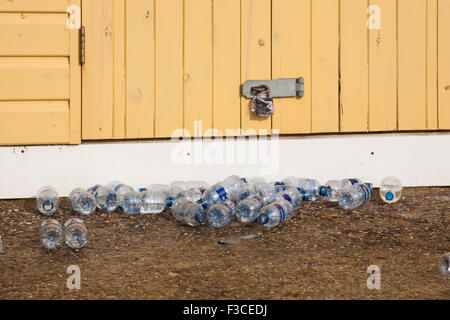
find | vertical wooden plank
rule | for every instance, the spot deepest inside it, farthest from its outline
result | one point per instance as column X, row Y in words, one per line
column 198, row 65
column 75, row 83
column 383, row 69
column 227, row 65
column 119, row 69
column 291, row 58
column 255, row 55
column 444, row 64
column 354, row 97
column 412, row 73
column 97, row 118
column 140, row 69
column 432, row 65
column 325, row 65
column 169, row 67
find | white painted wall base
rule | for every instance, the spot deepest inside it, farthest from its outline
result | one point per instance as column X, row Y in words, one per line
column 416, row 159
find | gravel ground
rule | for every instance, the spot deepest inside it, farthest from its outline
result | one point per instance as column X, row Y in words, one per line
column 323, row 253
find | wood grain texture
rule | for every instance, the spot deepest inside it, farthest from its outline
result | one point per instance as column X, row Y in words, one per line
column 198, row 74
column 34, row 78
column 75, row 84
column 354, row 66
column 34, row 5
column 169, row 67
column 412, row 65
column 227, row 65
column 325, row 66
column 34, row 122
column 383, row 69
column 291, row 58
column 255, row 56
column 28, row 34
column 444, row 64
column 97, row 120
column 140, row 71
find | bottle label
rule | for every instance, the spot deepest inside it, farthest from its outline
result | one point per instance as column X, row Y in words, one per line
column 222, row 194
column 282, row 213
column 353, row 181
column 117, row 188
column 286, row 196
column 244, row 180
column 366, row 192
column 278, row 183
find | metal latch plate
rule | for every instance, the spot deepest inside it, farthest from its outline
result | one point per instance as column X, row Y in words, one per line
column 279, row 88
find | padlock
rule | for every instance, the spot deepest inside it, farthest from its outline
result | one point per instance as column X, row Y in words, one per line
column 262, row 102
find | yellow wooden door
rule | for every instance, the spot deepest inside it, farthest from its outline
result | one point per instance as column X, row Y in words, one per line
column 162, row 68
column 40, row 75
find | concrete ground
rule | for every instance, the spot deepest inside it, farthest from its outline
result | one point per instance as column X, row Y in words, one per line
column 322, row 253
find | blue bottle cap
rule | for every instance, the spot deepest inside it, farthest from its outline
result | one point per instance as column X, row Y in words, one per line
column 263, row 219
column 389, row 196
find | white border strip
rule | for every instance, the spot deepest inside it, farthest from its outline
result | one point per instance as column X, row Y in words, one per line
column 416, row 159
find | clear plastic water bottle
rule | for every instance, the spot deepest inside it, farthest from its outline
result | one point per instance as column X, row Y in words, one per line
column 444, row 265
column 249, row 209
column 165, row 189
column 280, row 186
column 220, row 214
column 275, row 214
column 106, row 198
column 83, row 201
column 291, row 181
column 291, row 195
column 192, row 195
column 131, row 203
column 391, row 190
column 75, row 233
column 335, row 187
column 51, row 234
column 354, row 196
column 246, row 192
column 152, row 202
column 312, row 189
column 47, row 200
column 120, row 189
column 265, row 191
column 226, row 190
column 188, row 212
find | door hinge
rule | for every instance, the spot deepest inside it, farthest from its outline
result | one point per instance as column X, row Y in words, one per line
column 279, row 88
column 82, row 45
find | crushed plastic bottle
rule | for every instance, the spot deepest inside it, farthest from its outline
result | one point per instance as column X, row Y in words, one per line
column 275, row 214
column 47, row 200
column 312, row 189
column 51, row 234
column 444, row 265
column 188, row 212
column 192, row 195
column 75, row 233
column 354, row 196
column 249, row 209
column 152, row 202
column 291, row 195
column 246, row 192
column 391, row 190
column 106, row 198
column 220, row 214
column 83, row 201
column 131, row 203
column 229, row 189
column 120, row 189
column 335, row 186
column 265, row 191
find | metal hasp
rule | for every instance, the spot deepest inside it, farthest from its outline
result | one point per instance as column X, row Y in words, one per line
column 279, row 88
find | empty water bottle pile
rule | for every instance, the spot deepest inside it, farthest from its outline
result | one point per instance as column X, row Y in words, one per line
column 195, row 202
